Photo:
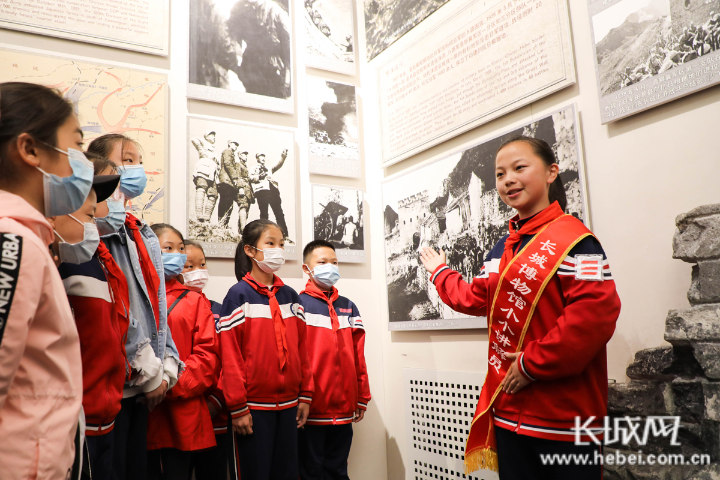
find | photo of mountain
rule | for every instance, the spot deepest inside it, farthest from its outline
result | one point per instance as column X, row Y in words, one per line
column 638, row 39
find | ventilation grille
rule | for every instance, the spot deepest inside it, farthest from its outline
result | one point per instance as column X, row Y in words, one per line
column 439, row 410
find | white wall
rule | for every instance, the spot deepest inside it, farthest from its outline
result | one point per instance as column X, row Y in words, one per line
column 641, row 173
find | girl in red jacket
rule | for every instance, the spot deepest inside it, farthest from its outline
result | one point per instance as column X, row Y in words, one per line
column 551, row 305
column 182, row 423
column 266, row 372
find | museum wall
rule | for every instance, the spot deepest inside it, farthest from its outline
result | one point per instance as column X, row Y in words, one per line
column 641, row 172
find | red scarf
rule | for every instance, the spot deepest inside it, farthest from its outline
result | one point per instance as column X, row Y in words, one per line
column 313, row 290
column 278, row 321
column 152, row 281
column 531, row 227
column 119, row 288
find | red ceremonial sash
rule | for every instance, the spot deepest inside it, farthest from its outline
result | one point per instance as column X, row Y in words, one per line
column 519, row 289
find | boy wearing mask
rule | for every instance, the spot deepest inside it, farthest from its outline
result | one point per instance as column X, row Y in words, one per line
column 336, row 348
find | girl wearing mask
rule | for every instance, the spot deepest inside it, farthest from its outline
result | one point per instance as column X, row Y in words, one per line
column 267, row 377
column 151, row 352
column 43, row 174
column 181, row 425
column 98, row 294
column 213, row 463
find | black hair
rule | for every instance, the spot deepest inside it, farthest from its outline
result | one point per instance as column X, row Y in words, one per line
column 193, row 243
column 543, row 150
column 32, row 109
column 100, row 163
column 160, row 228
column 250, row 236
column 310, row 247
column 105, row 144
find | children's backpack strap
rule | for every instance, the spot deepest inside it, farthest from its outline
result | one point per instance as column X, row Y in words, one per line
column 180, row 297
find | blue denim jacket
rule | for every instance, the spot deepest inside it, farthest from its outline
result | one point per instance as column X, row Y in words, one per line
column 143, row 329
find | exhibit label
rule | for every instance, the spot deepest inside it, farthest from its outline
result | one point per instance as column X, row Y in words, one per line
column 478, row 65
column 140, row 25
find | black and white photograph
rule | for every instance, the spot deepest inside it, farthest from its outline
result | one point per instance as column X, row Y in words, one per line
column 338, row 218
column 452, row 203
column 238, row 172
column 330, row 35
column 641, row 44
column 388, row 20
column 241, row 53
column 333, row 128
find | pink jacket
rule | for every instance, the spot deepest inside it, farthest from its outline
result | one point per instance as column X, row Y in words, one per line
column 40, row 369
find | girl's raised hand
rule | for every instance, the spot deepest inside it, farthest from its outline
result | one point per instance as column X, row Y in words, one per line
column 431, row 259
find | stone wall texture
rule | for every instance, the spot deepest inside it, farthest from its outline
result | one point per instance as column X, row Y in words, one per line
column 682, row 378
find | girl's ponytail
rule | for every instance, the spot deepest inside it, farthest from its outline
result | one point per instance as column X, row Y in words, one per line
column 250, row 236
column 546, row 153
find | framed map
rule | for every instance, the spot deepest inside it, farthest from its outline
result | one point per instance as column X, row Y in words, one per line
column 140, row 25
column 108, row 99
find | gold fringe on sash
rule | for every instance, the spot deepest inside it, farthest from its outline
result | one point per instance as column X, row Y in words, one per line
column 481, row 459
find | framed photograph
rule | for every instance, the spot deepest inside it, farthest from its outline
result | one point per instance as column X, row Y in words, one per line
column 108, row 98
column 329, row 34
column 338, row 218
column 143, row 26
column 241, row 53
column 238, row 172
column 452, row 203
column 388, row 20
column 650, row 52
column 485, row 60
column 333, row 136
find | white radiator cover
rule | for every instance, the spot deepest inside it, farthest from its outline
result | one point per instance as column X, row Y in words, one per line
column 439, row 408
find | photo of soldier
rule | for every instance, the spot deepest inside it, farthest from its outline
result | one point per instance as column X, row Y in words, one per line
column 205, row 177
column 238, row 172
column 267, row 192
column 234, row 186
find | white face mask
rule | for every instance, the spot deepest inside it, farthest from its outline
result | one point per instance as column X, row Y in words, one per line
column 82, row 251
column 274, row 259
column 196, row 279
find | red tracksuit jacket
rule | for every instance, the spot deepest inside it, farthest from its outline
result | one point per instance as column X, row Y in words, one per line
column 183, row 420
column 251, row 374
column 337, row 354
column 102, row 334
column 564, row 353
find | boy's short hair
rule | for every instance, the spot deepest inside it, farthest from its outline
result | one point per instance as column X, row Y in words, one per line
column 310, row 247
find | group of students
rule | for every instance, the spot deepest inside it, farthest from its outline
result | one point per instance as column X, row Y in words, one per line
column 268, row 383
column 114, row 364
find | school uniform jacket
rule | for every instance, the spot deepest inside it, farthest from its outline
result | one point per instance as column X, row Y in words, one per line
column 338, row 359
column 182, row 420
column 564, row 353
column 215, row 394
column 251, row 376
column 102, row 342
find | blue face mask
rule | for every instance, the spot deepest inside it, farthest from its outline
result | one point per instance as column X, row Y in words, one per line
column 173, row 264
column 133, row 181
column 82, row 251
column 326, row 275
column 115, row 219
column 65, row 195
